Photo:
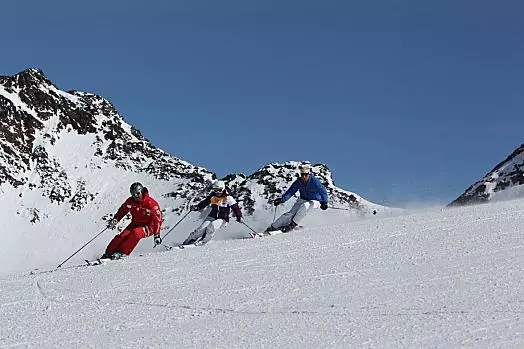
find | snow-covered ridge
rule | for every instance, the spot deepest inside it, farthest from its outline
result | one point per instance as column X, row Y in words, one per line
column 503, row 182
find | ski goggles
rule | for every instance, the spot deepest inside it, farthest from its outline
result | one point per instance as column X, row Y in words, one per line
column 137, row 194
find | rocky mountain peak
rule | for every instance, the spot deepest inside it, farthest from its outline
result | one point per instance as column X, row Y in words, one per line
column 28, row 78
column 506, row 175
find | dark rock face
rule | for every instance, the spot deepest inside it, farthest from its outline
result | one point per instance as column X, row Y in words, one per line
column 506, row 174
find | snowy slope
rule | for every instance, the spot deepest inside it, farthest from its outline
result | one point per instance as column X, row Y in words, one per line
column 505, row 181
column 442, row 278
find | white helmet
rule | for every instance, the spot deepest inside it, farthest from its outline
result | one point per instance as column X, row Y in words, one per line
column 218, row 185
column 305, row 169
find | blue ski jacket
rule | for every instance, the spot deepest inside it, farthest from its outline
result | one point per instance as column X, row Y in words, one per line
column 311, row 189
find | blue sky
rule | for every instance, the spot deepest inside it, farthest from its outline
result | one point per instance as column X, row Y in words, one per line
column 403, row 100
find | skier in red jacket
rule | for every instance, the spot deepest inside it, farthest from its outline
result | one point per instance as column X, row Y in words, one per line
column 146, row 220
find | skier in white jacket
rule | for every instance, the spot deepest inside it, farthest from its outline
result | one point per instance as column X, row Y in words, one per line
column 221, row 205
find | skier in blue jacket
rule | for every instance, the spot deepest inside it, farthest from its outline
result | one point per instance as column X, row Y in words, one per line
column 313, row 194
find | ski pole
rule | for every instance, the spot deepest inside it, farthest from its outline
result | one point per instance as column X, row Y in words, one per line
column 87, row 243
column 339, row 208
column 166, row 247
column 274, row 215
column 349, row 209
column 254, row 232
column 170, row 230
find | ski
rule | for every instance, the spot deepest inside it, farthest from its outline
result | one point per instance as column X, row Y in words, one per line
column 254, row 235
column 97, row 261
column 274, row 232
column 47, row 271
column 101, row 260
column 194, row 244
column 262, row 235
column 87, row 263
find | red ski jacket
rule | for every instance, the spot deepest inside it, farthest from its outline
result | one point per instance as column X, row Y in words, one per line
column 145, row 213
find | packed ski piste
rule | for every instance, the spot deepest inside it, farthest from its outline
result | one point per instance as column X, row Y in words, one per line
column 146, row 216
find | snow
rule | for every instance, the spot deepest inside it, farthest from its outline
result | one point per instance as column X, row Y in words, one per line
column 510, row 193
column 72, row 98
column 435, row 278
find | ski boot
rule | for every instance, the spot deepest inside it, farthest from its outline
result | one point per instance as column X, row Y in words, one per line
column 289, row 227
column 189, row 242
column 117, row 255
column 105, row 256
column 270, row 229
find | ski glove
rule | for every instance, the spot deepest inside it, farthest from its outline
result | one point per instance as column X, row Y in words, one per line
column 158, row 240
column 112, row 224
column 278, row 201
column 323, row 205
column 240, row 220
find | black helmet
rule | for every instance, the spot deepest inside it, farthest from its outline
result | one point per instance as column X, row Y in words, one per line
column 136, row 189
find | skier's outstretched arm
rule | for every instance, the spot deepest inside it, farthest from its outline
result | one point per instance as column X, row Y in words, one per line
column 122, row 211
column 156, row 220
column 291, row 191
column 236, row 209
column 202, row 204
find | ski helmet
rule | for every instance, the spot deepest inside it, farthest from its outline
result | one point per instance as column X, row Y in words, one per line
column 218, row 185
column 305, row 169
column 136, row 189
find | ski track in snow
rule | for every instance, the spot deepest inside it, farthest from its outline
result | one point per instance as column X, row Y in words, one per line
column 440, row 278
